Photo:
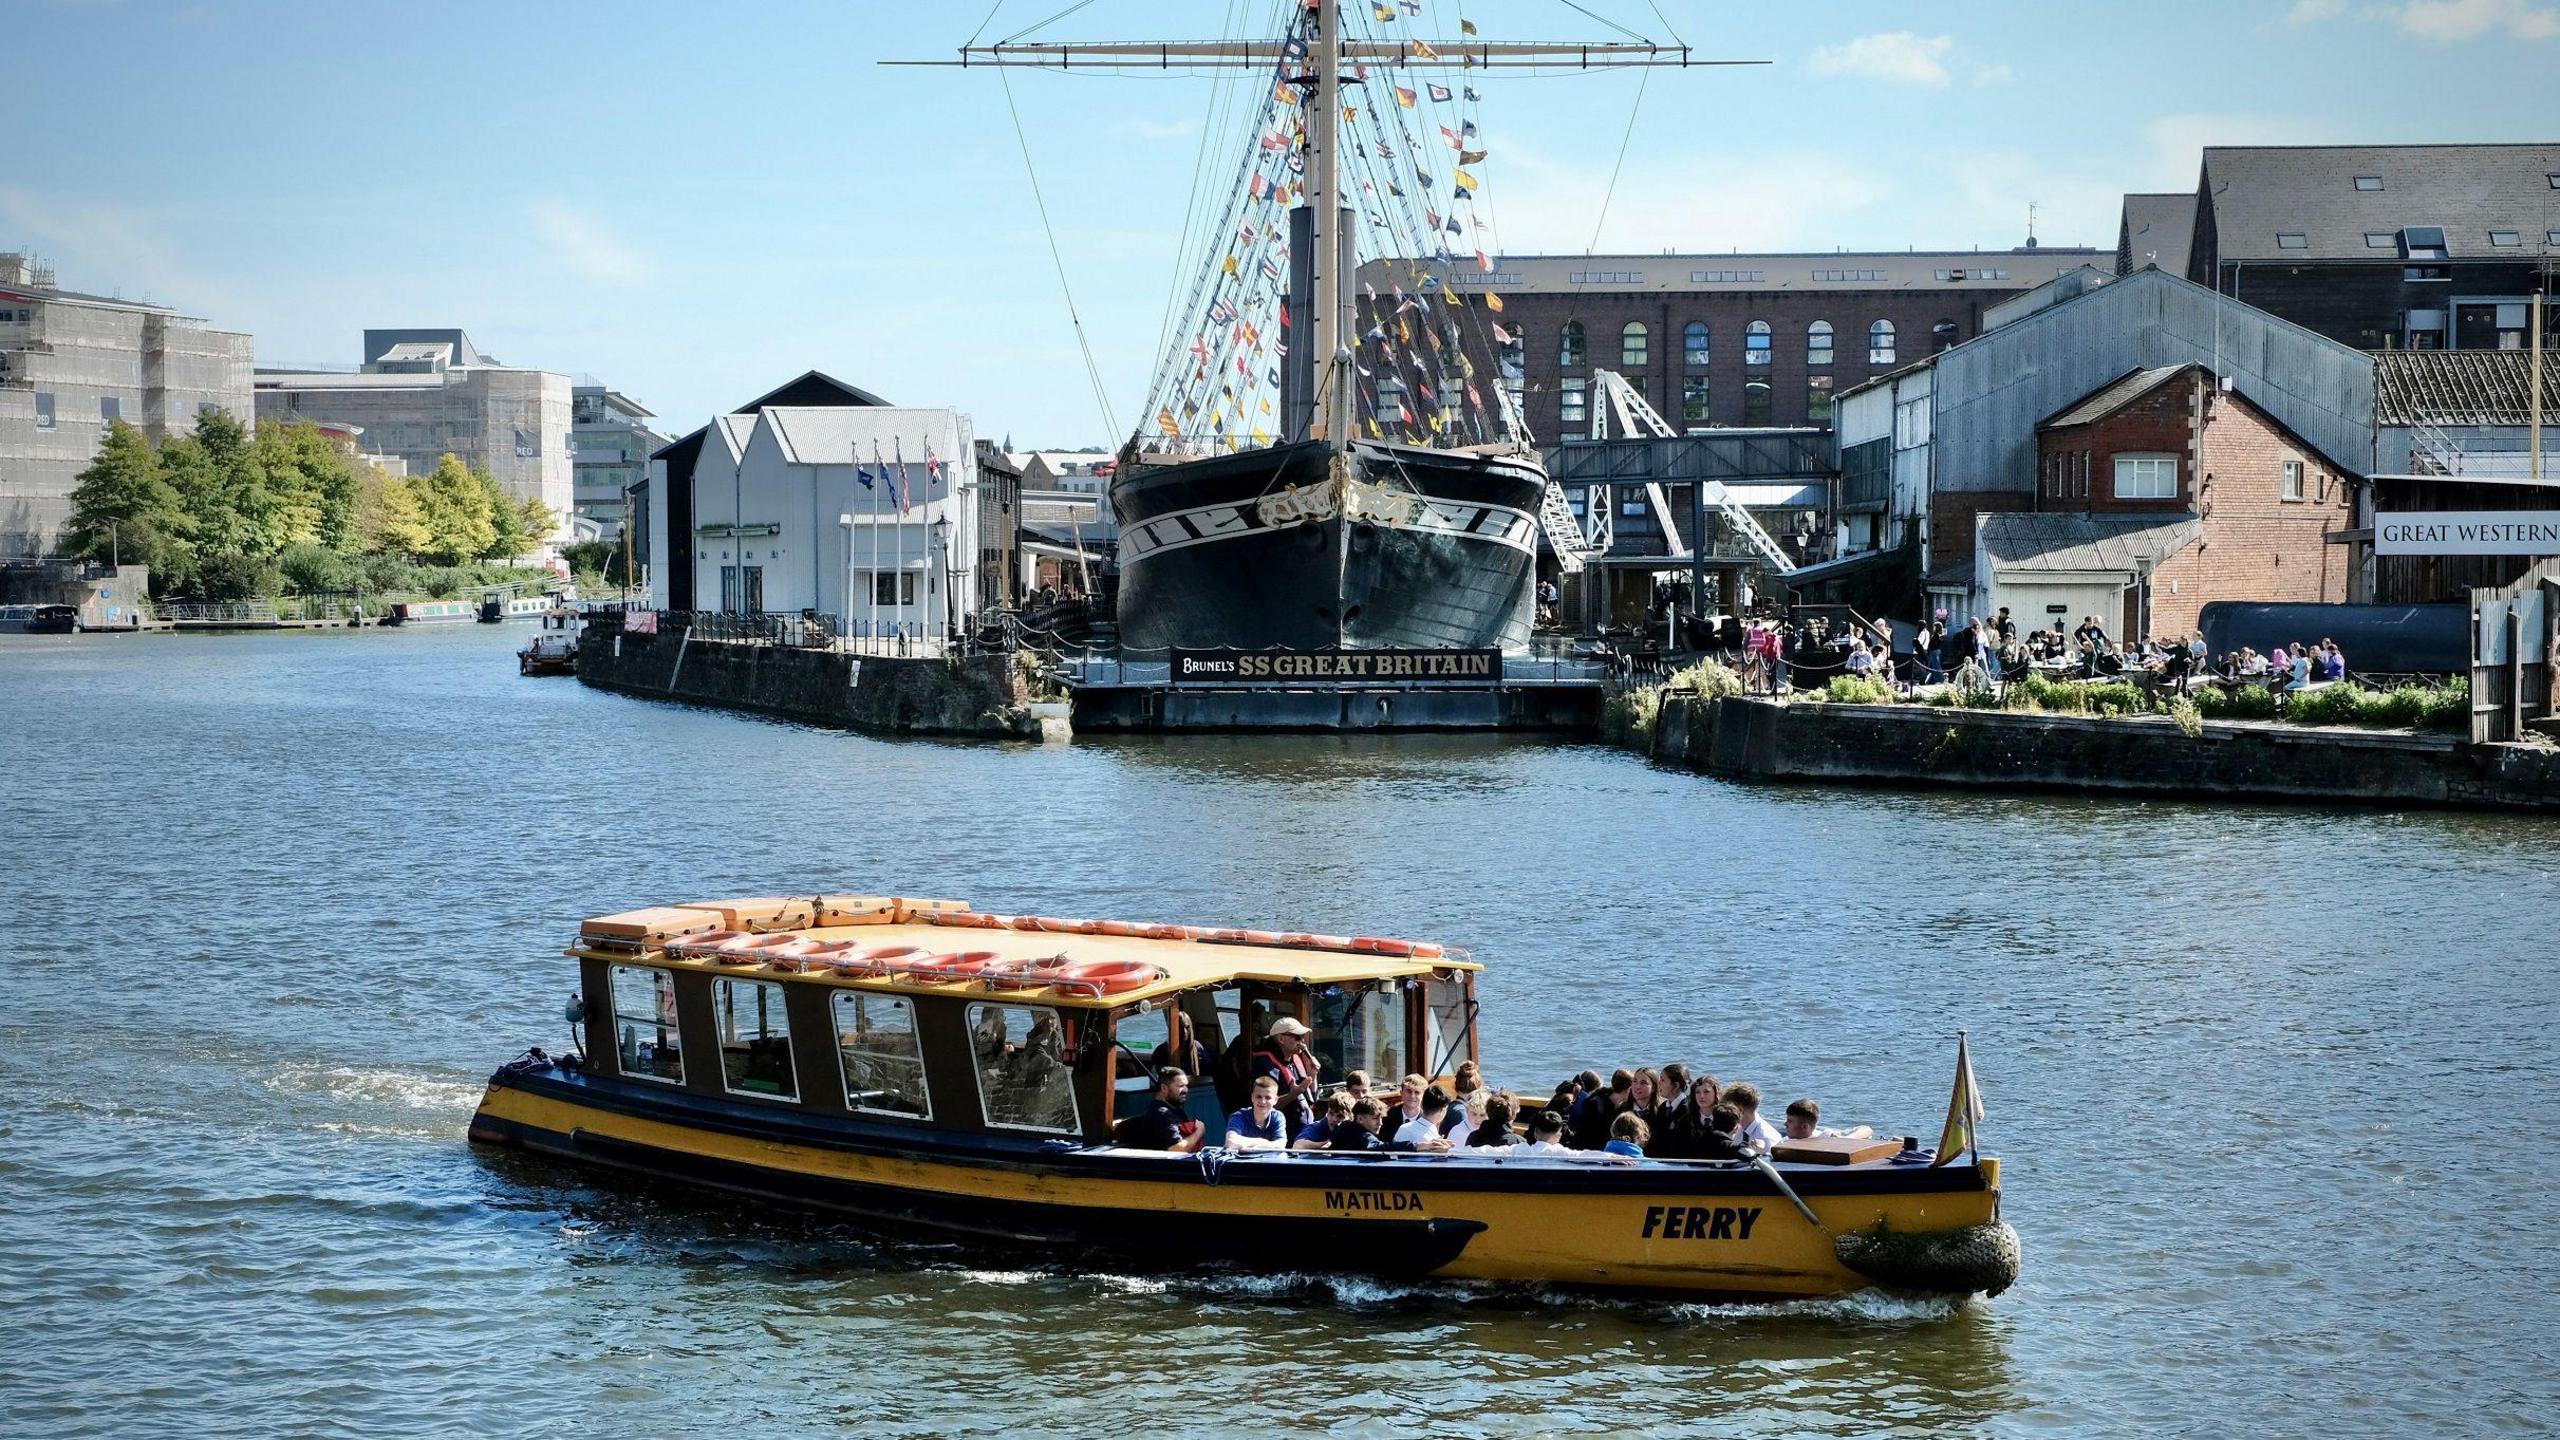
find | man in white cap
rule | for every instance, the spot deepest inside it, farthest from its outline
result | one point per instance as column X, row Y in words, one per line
column 1284, row 1057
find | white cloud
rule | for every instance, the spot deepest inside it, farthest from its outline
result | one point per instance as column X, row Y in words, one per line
column 581, row 243
column 1896, row 55
column 1988, row 75
column 2312, row 12
column 2448, row 21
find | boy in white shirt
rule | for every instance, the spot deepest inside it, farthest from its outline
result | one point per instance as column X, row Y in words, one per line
column 1423, row 1131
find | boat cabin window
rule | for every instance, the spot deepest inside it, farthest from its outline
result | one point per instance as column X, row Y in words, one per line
column 755, row 1038
column 1359, row 1028
column 1024, row 1081
column 1448, row 1024
column 1137, row 1037
column 644, row 1024
column 876, row 1041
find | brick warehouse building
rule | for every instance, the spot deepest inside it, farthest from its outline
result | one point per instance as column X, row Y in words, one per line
column 1726, row 340
column 2158, row 493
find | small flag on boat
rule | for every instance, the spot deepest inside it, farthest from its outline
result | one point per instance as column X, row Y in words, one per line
column 1220, row 312
column 1384, row 12
column 1270, row 267
column 1471, row 95
column 1467, row 27
column 1386, row 151
column 1452, row 137
column 1166, row 423
column 1284, row 92
column 1405, row 97
column 1500, row 335
column 1440, row 93
column 1483, row 261
column 1227, row 266
column 1260, row 436
column 1453, row 228
column 1413, row 7
column 1293, row 49
column 1465, row 180
column 1492, row 301
column 1471, row 157
column 1964, row 1109
column 1424, row 52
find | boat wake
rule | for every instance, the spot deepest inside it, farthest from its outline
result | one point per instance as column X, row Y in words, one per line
column 378, row 1100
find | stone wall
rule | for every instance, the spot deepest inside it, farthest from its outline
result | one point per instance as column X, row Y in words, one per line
column 1750, row 738
column 979, row 695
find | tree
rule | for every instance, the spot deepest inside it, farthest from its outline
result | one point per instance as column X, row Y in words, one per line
column 535, row 521
column 227, row 491
column 125, row 508
column 387, row 518
column 456, row 511
column 314, row 482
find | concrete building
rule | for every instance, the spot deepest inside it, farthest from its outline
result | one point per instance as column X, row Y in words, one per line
column 1719, row 340
column 1956, row 437
column 425, row 394
column 610, row 443
column 70, row 363
column 2382, row 247
column 849, row 507
column 667, row 516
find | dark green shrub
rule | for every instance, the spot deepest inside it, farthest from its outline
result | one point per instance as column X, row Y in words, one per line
column 2340, row 704
column 1854, row 690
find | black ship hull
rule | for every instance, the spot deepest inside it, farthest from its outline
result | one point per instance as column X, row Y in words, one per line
column 1249, row 552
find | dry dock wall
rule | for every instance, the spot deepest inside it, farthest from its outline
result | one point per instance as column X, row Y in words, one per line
column 976, row 695
column 1748, row 738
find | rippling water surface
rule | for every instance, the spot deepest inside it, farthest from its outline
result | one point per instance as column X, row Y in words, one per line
column 2276, row 1087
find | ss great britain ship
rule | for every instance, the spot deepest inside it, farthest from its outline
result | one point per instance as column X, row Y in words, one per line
column 1328, row 462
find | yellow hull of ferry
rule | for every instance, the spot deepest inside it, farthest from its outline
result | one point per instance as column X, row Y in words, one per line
column 1733, row 1246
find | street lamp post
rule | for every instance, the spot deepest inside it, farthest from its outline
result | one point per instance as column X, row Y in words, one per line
column 942, row 548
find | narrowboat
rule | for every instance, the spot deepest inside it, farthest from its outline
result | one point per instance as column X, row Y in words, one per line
column 428, row 612
column 933, row 1071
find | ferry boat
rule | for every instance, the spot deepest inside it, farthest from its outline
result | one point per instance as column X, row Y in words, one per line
column 429, row 612
column 554, row 651
column 933, row 1070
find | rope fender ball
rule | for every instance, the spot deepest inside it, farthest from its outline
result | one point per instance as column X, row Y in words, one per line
column 1958, row 1261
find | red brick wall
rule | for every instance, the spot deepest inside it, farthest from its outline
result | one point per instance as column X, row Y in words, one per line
column 2256, row 545
column 1953, row 518
column 2160, row 423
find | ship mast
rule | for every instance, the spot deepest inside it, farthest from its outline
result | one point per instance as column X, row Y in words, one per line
column 1329, row 287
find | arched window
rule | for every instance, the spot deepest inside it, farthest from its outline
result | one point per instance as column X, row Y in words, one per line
column 1756, row 406
column 1817, row 343
column 1880, row 343
column 1569, row 352
column 1632, row 345
column 1755, row 343
column 1693, row 344
column 1942, row 336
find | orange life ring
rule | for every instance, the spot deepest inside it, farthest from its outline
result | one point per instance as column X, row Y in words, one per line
column 1373, row 945
column 708, row 942
column 956, row 965
column 885, row 960
column 780, row 948
column 1172, row 932
column 1096, row 977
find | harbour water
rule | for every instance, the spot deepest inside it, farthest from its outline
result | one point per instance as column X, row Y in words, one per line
column 2274, row 1085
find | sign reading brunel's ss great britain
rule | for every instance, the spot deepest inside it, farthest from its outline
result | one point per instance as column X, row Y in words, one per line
column 1284, row 667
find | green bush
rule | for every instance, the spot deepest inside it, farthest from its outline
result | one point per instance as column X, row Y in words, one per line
column 1710, row 679
column 312, row 569
column 2448, row 707
column 1856, row 690
column 2249, row 702
column 2035, row 692
column 230, row 575
column 2184, row 714
column 2340, row 704
column 2403, row 707
column 1628, row 717
column 2116, row 698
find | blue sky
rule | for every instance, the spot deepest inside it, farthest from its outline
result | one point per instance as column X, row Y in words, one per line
column 696, row 203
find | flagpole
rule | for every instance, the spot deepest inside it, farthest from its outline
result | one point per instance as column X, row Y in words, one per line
column 871, row 606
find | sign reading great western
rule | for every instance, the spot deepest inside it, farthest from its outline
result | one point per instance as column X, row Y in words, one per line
column 1333, row 667
column 2468, row 532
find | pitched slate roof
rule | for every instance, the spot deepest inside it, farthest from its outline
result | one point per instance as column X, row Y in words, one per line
column 2460, row 387
column 2157, row 230
column 2258, row 192
column 2025, row 541
column 2116, row 394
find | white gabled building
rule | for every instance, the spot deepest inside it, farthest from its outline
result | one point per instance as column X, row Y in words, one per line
column 863, row 511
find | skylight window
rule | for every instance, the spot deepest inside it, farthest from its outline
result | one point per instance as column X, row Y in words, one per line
column 2505, row 238
column 2292, row 240
column 2368, row 182
column 2422, row 242
column 2554, row 178
column 2380, row 240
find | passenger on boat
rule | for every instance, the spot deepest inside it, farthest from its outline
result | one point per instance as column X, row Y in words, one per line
column 1184, row 1048
column 1356, row 1085
column 1627, row 1137
column 1257, row 1126
column 1804, row 1122
column 1465, row 1114
column 1494, row 1132
column 1423, row 1131
column 1407, row 1106
column 1601, row 1108
column 1292, row 1068
column 1744, row 1097
column 1332, row 1115
column 1684, row 1132
column 1545, row 1131
column 1362, row 1132
column 1162, row 1125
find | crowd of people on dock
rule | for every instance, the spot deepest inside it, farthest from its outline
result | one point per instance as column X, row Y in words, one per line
column 1777, row 655
column 1674, row 1112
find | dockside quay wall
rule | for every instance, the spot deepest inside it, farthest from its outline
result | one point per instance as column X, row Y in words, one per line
column 1750, row 738
column 977, row 695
